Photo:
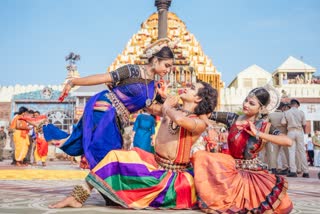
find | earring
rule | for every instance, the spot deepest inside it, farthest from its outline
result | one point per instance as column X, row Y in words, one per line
column 264, row 110
column 259, row 116
column 154, row 63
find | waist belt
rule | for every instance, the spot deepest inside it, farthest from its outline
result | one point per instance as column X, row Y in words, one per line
column 170, row 165
column 252, row 164
column 122, row 111
column 294, row 128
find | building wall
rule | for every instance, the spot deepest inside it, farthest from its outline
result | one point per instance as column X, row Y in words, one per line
column 5, row 109
column 309, row 96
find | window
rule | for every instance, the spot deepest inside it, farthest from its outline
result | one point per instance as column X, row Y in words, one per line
column 61, row 119
column 247, row 82
column 82, row 101
column 316, row 125
column 261, row 81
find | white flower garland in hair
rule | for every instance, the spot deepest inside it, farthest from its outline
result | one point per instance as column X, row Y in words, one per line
column 155, row 47
column 149, row 53
column 275, row 98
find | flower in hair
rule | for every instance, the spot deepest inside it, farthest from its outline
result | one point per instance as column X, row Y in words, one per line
column 173, row 44
column 149, row 53
column 155, row 47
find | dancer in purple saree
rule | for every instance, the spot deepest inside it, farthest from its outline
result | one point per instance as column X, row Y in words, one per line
column 107, row 113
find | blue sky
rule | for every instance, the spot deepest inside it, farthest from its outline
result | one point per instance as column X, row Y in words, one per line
column 36, row 35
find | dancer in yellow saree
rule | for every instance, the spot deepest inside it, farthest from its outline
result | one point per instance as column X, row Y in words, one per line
column 20, row 135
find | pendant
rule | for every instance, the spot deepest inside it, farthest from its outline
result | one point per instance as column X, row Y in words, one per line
column 148, row 102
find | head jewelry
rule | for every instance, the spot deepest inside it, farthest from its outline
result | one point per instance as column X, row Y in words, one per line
column 155, row 47
column 274, row 99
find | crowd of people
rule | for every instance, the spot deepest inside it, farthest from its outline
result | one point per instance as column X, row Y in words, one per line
column 294, row 160
column 142, row 167
column 28, row 144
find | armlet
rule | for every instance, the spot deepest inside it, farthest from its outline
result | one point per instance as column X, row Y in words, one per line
column 125, row 72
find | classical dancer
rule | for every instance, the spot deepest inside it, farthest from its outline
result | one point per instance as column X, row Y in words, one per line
column 20, row 135
column 42, row 146
column 240, row 182
column 107, row 113
column 164, row 180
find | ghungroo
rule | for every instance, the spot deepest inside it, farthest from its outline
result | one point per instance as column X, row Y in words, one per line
column 122, row 111
column 80, row 194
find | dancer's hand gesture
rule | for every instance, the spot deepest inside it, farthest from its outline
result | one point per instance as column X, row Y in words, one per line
column 67, row 87
column 250, row 128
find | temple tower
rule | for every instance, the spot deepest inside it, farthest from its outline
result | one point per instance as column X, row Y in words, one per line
column 162, row 7
column 190, row 63
column 72, row 68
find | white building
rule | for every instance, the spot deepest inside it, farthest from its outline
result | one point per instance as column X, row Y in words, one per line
column 231, row 98
column 251, row 77
column 300, row 85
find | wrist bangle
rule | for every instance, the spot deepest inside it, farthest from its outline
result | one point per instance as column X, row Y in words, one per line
column 257, row 135
column 70, row 83
column 164, row 110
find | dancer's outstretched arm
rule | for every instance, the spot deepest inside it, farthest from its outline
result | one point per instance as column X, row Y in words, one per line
column 95, row 79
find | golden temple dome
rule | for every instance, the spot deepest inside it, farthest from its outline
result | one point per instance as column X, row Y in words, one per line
column 190, row 59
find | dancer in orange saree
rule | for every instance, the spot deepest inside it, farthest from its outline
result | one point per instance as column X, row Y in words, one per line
column 240, row 182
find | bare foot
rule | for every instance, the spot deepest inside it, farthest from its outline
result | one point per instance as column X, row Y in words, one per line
column 69, row 201
column 19, row 163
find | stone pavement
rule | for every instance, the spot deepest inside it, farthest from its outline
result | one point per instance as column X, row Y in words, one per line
column 31, row 189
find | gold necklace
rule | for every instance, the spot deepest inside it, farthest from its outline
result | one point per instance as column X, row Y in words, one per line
column 175, row 130
column 148, row 100
column 172, row 130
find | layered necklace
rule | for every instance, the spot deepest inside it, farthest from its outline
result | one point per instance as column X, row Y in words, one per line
column 174, row 130
column 148, row 100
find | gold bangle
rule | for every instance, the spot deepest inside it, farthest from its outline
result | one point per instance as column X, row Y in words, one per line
column 70, row 83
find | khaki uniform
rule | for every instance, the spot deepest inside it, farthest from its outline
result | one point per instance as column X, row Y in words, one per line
column 316, row 149
column 273, row 150
column 3, row 138
column 295, row 122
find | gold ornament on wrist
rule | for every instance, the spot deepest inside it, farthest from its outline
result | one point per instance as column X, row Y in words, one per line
column 70, row 83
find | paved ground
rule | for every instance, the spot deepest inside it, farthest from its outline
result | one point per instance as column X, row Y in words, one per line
column 31, row 189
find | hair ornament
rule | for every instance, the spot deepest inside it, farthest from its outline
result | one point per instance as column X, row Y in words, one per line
column 275, row 98
column 155, row 47
column 149, row 53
